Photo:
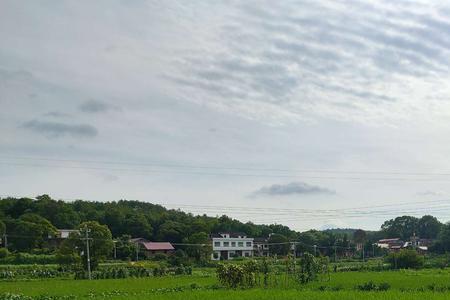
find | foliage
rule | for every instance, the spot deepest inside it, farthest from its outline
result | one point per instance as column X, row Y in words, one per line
column 134, row 218
column 230, row 275
column 428, row 227
column 29, row 231
column 279, row 244
column 3, row 253
column 200, row 249
column 405, row 259
column 371, row 286
column 71, row 260
column 234, row 275
column 442, row 244
column 26, row 258
column 404, row 227
column 309, row 268
column 100, row 243
column 359, row 236
column 124, row 248
column 2, row 229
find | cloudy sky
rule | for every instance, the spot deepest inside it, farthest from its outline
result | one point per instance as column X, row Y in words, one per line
column 301, row 110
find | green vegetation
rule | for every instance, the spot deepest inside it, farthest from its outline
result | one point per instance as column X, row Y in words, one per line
column 407, row 284
column 36, row 267
column 405, row 259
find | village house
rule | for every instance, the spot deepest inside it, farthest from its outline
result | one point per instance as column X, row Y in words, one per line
column 261, row 247
column 228, row 245
column 396, row 244
column 60, row 235
column 151, row 249
column 393, row 244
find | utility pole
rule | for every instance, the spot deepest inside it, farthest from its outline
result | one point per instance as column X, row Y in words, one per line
column 87, row 230
column 5, row 240
column 137, row 251
column 363, row 253
column 115, row 251
column 335, row 259
column 293, row 249
column 373, row 250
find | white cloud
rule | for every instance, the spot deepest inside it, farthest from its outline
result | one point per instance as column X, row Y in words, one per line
column 350, row 85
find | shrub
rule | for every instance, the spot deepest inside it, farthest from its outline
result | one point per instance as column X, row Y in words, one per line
column 28, row 259
column 3, row 253
column 371, row 286
column 230, row 275
column 405, row 259
column 159, row 257
column 309, row 268
column 68, row 260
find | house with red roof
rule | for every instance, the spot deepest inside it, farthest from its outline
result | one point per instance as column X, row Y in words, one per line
column 150, row 249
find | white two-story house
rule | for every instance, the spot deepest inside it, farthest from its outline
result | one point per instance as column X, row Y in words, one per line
column 228, row 245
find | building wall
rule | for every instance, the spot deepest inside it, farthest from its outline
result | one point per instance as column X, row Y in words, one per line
column 232, row 246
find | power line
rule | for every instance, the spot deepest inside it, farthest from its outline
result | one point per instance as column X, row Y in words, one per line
column 177, row 165
column 359, row 210
column 225, row 174
column 277, row 214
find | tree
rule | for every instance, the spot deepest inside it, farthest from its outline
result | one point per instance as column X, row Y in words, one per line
column 306, row 241
column 124, row 248
column 100, row 243
column 428, row 227
column 200, row 248
column 29, row 231
column 172, row 232
column 138, row 226
column 402, row 227
column 2, row 228
column 359, row 236
column 405, row 259
column 442, row 243
column 279, row 244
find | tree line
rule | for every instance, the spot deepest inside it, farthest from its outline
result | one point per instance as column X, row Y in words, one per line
column 29, row 222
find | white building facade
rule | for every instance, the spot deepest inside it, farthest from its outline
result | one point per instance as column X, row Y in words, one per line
column 230, row 245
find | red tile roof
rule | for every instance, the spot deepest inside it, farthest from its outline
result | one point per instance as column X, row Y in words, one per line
column 158, row 246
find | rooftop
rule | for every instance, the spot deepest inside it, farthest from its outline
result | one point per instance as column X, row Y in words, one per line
column 158, row 246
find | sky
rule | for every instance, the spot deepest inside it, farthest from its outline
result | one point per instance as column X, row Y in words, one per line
column 312, row 114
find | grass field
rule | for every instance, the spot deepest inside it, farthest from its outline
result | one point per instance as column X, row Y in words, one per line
column 203, row 285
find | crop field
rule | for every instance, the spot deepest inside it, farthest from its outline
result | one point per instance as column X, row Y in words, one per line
column 202, row 284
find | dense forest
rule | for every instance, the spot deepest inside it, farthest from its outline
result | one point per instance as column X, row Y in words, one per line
column 28, row 222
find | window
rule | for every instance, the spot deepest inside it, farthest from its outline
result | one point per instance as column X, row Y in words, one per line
column 246, row 253
column 233, row 244
column 226, row 244
column 216, row 244
column 249, row 244
column 240, row 244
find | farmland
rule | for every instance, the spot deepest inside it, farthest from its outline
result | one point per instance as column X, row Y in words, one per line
column 202, row 284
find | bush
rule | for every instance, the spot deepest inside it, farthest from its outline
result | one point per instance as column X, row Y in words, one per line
column 28, row 259
column 159, row 257
column 230, row 275
column 309, row 268
column 3, row 253
column 371, row 286
column 68, row 260
column 405, row 259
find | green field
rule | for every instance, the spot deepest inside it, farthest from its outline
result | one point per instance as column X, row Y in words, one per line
column 423, row 284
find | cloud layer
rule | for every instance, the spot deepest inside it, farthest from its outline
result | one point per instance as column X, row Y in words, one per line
column 293, row 188
column 353, row 60
column 58, row 129
column 95, row 106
